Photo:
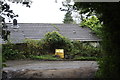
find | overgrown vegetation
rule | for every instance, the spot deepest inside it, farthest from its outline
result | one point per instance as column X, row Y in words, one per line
column 47, row 45
column 54, row 40
column 85, row 49
column 68, row 18
column 85, row 58
column 109, row 14
column 9, row 53
column 45, row 48
column 94, row 24
column 55, row 27
column 44, row 57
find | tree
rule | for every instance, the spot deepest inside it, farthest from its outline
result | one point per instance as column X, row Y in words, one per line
column 6, row 11
column 54, row 40
column 94, row 24
column 109, row 14
column 68, row 18
column 68, row 8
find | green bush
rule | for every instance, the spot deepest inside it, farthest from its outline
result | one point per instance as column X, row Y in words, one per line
column 47, row 45
column 54, row 40
column 32, row 47
column 8, row 52
column 85, row 49
column 94, row 24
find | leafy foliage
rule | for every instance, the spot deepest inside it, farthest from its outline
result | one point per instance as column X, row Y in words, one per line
column 90, row 8
column 94, row 24
column 33, row 47
column 85, row 49
column 9, row 53
column 46, row 46
column 68, row 8
column 6, row 11
column 54, row 40
column 55, row 27
column 109, row 14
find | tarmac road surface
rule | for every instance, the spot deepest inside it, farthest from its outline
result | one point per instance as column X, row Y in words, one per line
column 33, row 64
column 49, row 69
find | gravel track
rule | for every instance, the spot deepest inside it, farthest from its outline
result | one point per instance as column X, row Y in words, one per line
column 33, row 64
column 50, row 69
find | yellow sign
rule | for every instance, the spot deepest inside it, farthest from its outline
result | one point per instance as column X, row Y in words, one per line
column 59, row 52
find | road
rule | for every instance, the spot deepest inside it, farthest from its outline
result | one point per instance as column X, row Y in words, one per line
column 32, row 64
column 50, row 69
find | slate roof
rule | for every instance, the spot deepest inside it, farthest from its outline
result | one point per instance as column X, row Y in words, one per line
column 38, row 30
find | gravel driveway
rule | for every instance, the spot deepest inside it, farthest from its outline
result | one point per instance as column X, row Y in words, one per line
column 33, row 64
column 51, row 69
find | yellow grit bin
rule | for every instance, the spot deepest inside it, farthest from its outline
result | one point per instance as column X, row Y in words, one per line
column 59, row 52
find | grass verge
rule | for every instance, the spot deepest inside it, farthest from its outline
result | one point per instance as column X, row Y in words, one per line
column 85, row 58
column 51, row 57
column 44, row 57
